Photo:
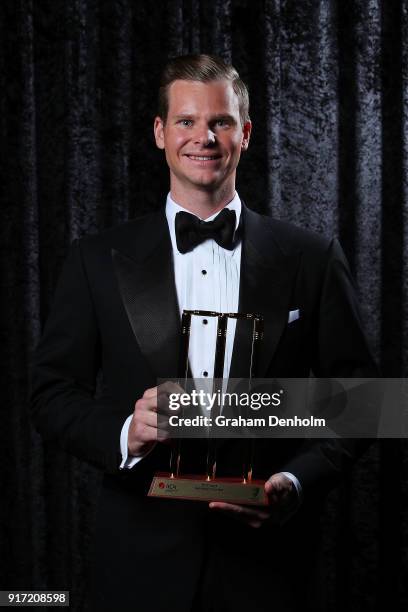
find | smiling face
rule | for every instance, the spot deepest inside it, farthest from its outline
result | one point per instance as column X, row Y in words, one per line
column 202, row 137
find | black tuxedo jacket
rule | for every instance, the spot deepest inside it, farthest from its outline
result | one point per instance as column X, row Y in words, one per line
column 115, row 310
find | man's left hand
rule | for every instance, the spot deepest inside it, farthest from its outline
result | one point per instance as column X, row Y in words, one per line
column 283, row 501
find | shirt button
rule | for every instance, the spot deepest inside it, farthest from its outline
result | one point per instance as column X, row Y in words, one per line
column 203, row 272
column 205, row 321
column 205, row 373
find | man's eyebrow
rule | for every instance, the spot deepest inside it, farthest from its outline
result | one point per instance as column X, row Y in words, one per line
column 216, row 117
column 224, row 116
column 184, row 116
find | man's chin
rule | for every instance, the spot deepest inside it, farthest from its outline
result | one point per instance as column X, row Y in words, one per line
column 207, row 183
column 209, row 188
column 204, row 181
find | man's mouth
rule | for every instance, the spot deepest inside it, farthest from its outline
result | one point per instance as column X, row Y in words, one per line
column 203, row 157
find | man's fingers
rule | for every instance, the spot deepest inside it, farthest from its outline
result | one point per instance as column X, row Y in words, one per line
column 145, row 429
column 170, row 387
column 252, row 516
column 157, row 398
column 146, row 417
column 150, row 393
column 146, row 404
column 278, row 488
column 149, row 433
column 145, row 432
column 275, row 483
column 280, row 491
column 283, row 497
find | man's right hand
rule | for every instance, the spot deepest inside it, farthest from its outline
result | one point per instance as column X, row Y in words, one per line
column 143, row 432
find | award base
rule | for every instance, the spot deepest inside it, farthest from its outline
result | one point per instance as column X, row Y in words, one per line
column 198, row 488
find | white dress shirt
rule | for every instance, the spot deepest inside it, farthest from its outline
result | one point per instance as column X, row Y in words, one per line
column 206, row 278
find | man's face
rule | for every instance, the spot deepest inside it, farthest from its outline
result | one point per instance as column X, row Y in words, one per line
column 202, row 136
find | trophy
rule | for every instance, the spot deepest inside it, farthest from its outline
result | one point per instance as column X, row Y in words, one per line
column 242, row 489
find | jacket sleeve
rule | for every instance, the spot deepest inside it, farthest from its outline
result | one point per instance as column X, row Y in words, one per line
column 65, row 368
column 340, row 350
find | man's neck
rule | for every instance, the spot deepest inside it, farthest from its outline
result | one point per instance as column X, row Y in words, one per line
column 203, row 203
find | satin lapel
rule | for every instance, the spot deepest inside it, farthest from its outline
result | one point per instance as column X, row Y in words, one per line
column 145, row 274
column 266, row 283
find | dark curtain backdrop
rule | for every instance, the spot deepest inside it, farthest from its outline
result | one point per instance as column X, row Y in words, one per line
column 329, row 101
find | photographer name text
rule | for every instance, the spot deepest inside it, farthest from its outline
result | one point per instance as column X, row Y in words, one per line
column 223, row 421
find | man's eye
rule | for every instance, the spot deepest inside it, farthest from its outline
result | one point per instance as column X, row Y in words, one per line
column 222, row 122
column 186, row 122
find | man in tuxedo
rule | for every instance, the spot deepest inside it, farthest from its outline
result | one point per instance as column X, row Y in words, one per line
column 117, row 309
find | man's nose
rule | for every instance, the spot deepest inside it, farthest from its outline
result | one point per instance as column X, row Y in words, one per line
column 204, row 136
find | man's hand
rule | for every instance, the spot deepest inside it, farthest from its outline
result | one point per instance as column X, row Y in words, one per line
column 143, row 431
column 283, row 501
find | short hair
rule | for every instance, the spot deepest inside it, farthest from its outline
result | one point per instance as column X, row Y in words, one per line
column 204, row 68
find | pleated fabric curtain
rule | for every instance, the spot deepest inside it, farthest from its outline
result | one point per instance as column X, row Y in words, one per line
column 328, row 84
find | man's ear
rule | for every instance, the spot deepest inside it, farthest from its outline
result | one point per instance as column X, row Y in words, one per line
column 247, row 128
column 159, row 132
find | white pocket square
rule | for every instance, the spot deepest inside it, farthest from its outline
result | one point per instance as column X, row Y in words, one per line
column 293, row 315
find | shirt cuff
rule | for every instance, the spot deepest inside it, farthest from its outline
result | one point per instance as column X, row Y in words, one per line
column 128, row 461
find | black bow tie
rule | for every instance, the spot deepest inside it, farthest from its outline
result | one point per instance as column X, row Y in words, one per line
column 191, row 231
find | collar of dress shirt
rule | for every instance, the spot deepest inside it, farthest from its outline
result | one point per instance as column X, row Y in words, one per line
column 172, row 208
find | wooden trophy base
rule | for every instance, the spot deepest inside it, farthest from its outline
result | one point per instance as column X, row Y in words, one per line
column 199, row 488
